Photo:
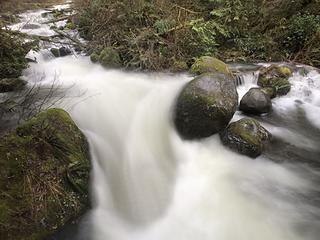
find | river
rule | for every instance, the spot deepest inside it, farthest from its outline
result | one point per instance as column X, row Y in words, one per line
column 148, row 183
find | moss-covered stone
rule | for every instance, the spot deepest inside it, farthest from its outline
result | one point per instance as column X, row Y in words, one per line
column 109, row 57
column 44, row 173
column 94, row 57
column 11, row 84
column 205, row 105
column 275, row 77
column 270, row 91
column 55, row 52
column 207, row 64
column 246, row 136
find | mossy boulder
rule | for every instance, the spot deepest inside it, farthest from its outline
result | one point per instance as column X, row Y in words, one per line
column 205, row 105
column 277, row 78
column 44, row 174
column 94, row 57
column 255, row 101
column 109, row 57
column 11, row 84
column 207, row 64
column 246, row 136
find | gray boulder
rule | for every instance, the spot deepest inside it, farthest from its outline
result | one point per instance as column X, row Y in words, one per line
column 255, row 101
column 246, row 136
column 205, row 105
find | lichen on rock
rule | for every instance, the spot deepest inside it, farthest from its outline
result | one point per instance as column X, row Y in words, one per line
column 246, row 136
column 207, row 64
column 44, row 174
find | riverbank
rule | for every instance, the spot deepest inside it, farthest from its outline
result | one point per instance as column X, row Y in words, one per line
column 162, row 35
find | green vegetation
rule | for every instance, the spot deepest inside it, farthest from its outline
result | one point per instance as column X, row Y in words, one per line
column 156, row 34
column 44, row 171
column 12, row 54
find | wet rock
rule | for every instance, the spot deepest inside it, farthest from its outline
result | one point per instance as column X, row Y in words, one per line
column 33, row 60
column 44, row 176
column 64, row 51
column 205, row 105
column 61, row 52
column 11, row 84
column 209, row 64
column 246, row 136
column 255, row 101
column 31, row 26
column 277, row 78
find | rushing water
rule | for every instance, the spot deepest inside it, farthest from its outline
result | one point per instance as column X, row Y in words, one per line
column 147, row 183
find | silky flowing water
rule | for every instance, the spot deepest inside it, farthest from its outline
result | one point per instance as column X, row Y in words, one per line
column 148, row 183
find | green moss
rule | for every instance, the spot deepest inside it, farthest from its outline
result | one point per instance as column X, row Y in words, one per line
column 285, row 71
column 209, row 64
column 109, row 57
column 275, row 77
column 94, row 57
column 246, row 136
column 44, row 172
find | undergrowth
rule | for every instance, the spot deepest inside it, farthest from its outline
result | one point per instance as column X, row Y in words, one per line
column 157, row 34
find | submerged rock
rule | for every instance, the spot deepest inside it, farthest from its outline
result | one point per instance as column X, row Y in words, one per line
column 246, row 136
column 60, row 52
column 277, row 78
column 209, row 64
column 31, row 26
column 44, row 174
column 205, row 105
column 255, row 101
column 11, row 84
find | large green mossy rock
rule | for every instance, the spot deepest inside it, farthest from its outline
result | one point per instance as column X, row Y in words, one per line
column 207, row 64
column 276, row 77
column 205, row 105
column 246, row 136
column 44, row 174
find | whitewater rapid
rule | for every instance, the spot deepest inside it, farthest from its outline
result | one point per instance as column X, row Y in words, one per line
column 148, row 183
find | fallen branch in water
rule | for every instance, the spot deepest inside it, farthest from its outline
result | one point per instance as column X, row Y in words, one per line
column 76, row 41
column 58, row 19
